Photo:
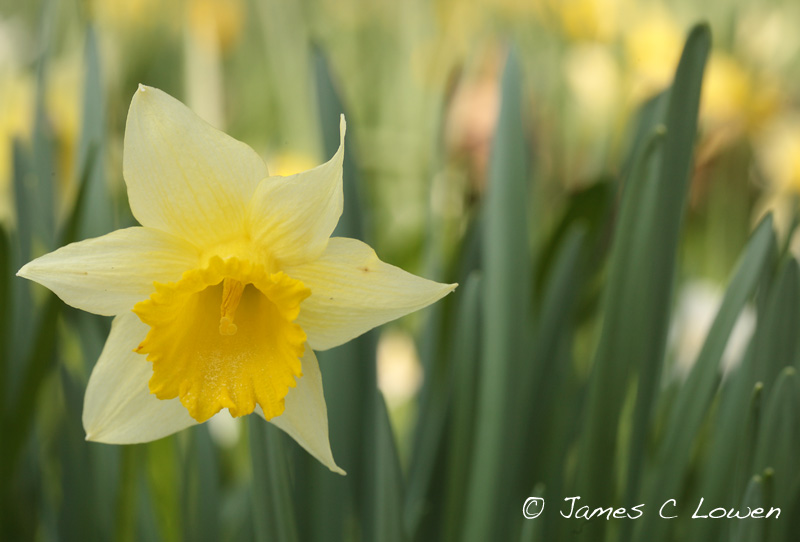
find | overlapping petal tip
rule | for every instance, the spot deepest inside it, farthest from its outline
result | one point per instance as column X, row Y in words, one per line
column 118, row 407
column 295, row 215
column 305, row 417
column 109, row 274
column 353, row 291
column 184, row 176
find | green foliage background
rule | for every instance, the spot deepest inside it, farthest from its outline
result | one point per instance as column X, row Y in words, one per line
column 545, row 374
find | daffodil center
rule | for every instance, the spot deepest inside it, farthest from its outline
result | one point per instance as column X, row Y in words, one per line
column 224, row 337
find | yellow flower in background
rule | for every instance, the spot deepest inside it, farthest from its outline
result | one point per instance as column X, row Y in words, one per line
column 735, row 99
column 653, row 47
column 62, row 108
column 726, row 91
column 227, row 288
column 589, row 20
column 767, row 34
column 16, row 122
column 593, row 77
column 130, row 16
column 220, row 21
column 64, row 111
column 778, row 151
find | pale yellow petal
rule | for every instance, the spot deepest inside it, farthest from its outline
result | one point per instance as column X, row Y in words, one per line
column 118, row 407
column 184, row 176
column 108, row 275
column 352, row 291
column 306, row 416
column 294, row 216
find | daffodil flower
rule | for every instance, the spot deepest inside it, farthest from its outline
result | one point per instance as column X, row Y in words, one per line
column 222, row 295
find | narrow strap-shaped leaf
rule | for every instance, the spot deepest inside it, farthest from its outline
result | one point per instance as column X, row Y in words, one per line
column 779, row 446
column 541, row 380
column 208, row 486
column 506, row 299
column 737, row 452
column 384, row 518
column 163, row 474
column 776, row 341
column 17, row 420
column 92, row 146
column 81, row 515
column 39, row 360
column 607, row 382
column 639, row 293
column 146, row 521
column 546, row 407
column 668, row 205
column 695, row 395
column 273, row 508
column 5, row 312
column 125, row 529
column 751, row 529
column 21, row 324
column 464, row 378
column 770, row 347
column 201, row 495
column 425, row 490
column 533, row 528
column 745, row 462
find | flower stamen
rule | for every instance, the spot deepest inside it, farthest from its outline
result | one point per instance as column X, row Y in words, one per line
column 231, row 295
